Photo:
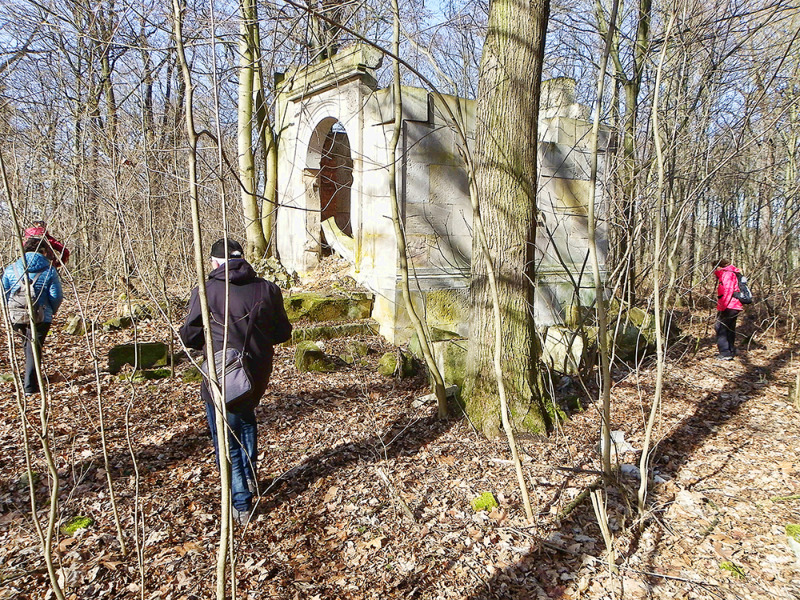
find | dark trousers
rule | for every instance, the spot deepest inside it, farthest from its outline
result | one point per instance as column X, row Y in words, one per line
column 726, row 331
column 32, row 343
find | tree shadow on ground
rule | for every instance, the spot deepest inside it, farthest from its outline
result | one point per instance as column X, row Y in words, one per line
column 528, row 578
column 405, row 436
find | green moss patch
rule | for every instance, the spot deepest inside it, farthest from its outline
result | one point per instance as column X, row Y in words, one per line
column 192, row 375
column 142, row 356
column 793, row 531
column 308, row 357
column 733, row 569
column 319, row 308
column 74, row 326
column 388, row 364
column 486, row 501
column 75, row 523
column 329, row 332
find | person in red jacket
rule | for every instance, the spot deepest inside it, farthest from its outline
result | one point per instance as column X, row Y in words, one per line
column 39, row 230
column 728, row 309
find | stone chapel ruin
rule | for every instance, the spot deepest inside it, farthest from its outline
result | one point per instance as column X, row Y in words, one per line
column 336, row 126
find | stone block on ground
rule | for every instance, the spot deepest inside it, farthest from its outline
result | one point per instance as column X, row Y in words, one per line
column 563, row 350
column 117, row 323
column 354, row 350
column 135, row 309
column 321, row 307
column 74, row 326
column 635, row 330
column 388, row 364
column 142, row 356
column 437, row 335
column 329, row 332
column 451, row 391
column 451, row 358
column 308, row 357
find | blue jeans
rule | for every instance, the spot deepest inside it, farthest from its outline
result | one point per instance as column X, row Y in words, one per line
column 243, row 443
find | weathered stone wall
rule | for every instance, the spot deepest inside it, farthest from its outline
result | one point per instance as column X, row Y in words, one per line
column 432, row 189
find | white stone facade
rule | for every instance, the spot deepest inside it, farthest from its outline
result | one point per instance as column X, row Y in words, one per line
column 331, row 108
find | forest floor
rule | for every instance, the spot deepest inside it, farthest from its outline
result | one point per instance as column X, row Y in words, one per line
column 342, row 454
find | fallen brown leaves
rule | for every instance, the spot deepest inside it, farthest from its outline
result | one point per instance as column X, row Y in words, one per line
column 364, row 497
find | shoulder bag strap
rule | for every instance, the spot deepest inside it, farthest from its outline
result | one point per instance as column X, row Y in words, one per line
column 251, row 319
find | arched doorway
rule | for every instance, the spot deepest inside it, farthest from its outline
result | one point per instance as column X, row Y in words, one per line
column 329, row 179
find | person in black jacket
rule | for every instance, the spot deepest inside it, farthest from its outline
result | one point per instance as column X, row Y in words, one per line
column 256, row 321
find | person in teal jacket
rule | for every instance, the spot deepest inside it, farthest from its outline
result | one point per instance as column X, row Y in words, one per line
column 46, row 292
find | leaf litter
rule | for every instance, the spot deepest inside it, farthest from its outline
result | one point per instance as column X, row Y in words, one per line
column 364, row 496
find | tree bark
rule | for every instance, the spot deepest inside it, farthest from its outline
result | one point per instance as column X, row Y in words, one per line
column 256, row 244
column 505, row 172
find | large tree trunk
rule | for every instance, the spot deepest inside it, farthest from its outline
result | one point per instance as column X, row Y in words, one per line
column 256, row 244
column 506, row 149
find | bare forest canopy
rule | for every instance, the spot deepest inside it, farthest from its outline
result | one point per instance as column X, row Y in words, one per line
column 94, row 139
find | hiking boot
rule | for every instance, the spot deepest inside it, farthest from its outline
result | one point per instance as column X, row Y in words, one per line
column 242, row 517
column 724, row 357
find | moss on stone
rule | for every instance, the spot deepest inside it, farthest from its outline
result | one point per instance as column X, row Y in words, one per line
column 793, row 531
column 74, row 326
column 318, row 307
column 192, row 375
column 447, row 308
column 573, row 403
column 388, row 366
column 354, row 350
column 556, row 414
column 143, row 356
column 451, row 355
column 117, row 323
column 25, row 478
column 138, row 310
column 733, row 569
column 357, row 348
column 6, row 377
column 308, row 357
column 75, row 523
column 329, row 332
column 486, row 501
column 437, row 335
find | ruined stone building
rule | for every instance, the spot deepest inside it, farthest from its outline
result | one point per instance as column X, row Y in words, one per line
column 336, row 125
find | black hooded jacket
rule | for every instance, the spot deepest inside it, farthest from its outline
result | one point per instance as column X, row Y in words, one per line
column 253, row 303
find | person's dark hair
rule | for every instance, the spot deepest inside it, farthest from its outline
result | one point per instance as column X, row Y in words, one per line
column 722, row 263
column 234, row 249
column 40, row 224
column 36, row 244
